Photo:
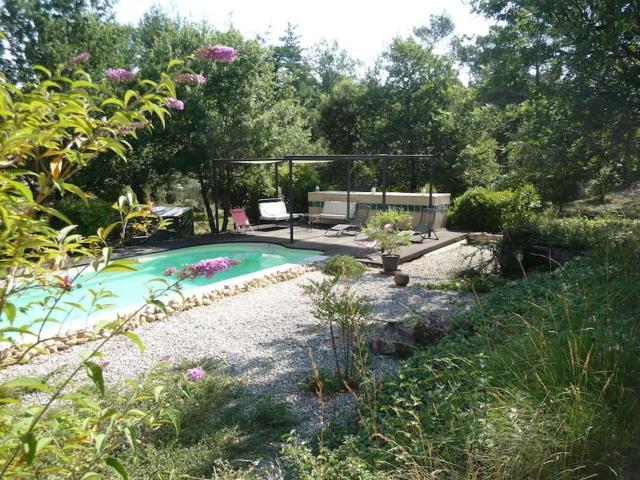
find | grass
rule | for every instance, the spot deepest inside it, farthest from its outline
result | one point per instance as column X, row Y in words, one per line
column 625, row 204
column 223, row 429
column 201, row 224
column 538, row 381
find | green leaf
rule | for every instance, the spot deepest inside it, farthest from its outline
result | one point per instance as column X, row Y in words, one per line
column 77, row 191
column 91, row 476
column 117, row 466
column 29, row 446
column 131, row 435
column 54, row 213
column 31, row 383
column 46, row 71
column 135, row 339
column 95, row 373
column 120, row 266
column 9, row 311
column 99, row 438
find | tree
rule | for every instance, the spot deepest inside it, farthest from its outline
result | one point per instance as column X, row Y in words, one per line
column 579, row 60
column 51, row 32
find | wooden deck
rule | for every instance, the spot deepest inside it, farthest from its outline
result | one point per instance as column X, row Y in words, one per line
column 311, row 239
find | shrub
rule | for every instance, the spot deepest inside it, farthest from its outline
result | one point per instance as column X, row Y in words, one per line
column 539, row 381
column 344, row 267
column 390, row 230
column 89, row 215
column 481, row 209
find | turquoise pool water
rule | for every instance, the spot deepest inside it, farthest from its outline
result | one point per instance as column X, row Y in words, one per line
column 131, row 288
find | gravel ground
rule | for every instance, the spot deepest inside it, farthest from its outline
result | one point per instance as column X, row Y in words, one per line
column 265, row 336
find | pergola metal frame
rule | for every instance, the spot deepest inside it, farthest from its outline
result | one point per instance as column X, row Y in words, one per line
column 315, row 159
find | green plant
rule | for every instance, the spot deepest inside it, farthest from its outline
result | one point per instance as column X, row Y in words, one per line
column 51, row 129
column 390, row 230
column 88, row 215
column 346, row 314
column 539, row 377
column 223, row 427
column 344, row 267
column 481, row 209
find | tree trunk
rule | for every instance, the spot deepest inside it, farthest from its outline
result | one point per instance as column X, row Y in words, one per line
column 226, row 200
column 204, row 191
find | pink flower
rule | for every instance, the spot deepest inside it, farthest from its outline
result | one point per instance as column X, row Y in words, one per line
column 170, row 271
column 388, row 227
column 104, row 364
column 80, row 58
column 174, row 103
column 191, row 79
column 219, row 53
column 166, row 358
column 206, row 268
column 119, row 74
column 195, row 374
column 130, row 127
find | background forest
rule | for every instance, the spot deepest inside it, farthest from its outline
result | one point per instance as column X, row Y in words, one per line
column 552, row 100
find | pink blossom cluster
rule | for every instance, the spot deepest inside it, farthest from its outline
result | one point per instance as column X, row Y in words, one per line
column 218, row 53
column 174, row 103
column 80, row 58
column 204, row 268
column 195, row 374
column 119, row 74
column 129, row 127
column 191, row 78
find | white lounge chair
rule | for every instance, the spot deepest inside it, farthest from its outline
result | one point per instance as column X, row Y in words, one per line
column 274, row 210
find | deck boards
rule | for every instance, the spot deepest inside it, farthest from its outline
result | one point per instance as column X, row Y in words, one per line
column 313, row 239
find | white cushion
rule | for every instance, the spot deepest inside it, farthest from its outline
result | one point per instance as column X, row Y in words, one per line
column 269, row 210
column 338, row 208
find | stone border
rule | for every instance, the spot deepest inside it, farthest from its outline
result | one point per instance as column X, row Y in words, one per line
column 149, row 314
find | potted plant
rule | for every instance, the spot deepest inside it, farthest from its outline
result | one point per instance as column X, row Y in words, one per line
column 390, row 230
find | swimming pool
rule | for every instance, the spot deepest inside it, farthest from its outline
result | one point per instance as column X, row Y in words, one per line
column 131, row 288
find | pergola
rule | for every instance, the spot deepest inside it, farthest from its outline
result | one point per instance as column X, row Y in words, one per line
column 306, row 159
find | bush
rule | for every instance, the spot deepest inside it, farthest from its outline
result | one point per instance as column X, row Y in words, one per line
column 577, row 233
column 539, row 381
column 344, row 267
column 481, row 209
column 89, row 216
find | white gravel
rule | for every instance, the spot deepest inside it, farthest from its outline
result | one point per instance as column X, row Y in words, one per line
column 264, row 336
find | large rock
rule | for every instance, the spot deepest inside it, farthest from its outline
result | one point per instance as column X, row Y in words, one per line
column 429, row 329
column 392, row 338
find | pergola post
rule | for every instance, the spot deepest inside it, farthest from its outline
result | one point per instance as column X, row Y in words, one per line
column 290, row 160
column 385, row 180
column 276, row 165
column 430, row 182
column 348, row 187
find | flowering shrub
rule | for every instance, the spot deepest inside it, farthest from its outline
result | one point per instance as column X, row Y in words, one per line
column 191, row 79
column 174, row 104
column 119, row 74
column 80, row 58
column 203, row 268
column 219, row 53
column 57, row 126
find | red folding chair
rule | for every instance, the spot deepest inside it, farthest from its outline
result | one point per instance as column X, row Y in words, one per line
column 240, row 220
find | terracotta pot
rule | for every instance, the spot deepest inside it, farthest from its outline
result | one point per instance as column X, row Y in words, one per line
column 401, row 279
column 390, row 263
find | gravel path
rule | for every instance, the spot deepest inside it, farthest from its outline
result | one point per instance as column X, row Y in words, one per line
column 264, row 336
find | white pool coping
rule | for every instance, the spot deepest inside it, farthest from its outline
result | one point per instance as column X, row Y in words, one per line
column 112, row 315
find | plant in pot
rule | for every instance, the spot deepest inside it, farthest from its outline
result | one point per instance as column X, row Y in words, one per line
column 390, row 230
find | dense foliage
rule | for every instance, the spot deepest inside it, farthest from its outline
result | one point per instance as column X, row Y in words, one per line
column 537, row 381
column 483, row 210
column 551, row 101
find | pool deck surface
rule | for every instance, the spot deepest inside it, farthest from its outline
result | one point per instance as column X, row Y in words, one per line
column 304, row 238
